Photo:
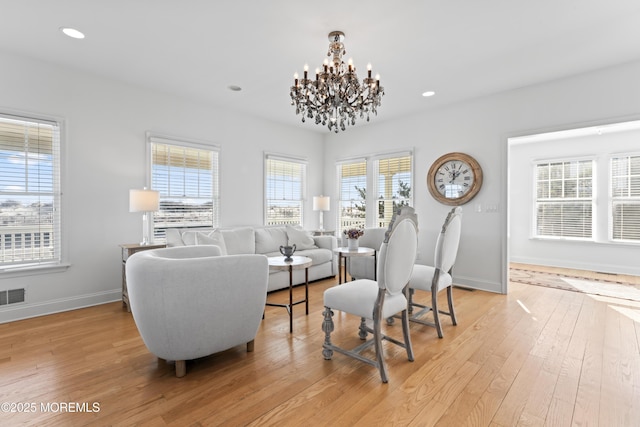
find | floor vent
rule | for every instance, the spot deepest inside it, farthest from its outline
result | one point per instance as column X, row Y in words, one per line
column 11, row 296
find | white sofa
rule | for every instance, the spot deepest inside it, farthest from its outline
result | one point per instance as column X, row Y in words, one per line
column 190, row 302
column 266, row 241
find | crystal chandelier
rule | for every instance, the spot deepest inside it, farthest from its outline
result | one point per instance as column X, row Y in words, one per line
column 336, row 96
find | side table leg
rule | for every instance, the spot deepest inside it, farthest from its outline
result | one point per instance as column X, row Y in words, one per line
column 306, row 289
column 290, row 299
column 375, row 265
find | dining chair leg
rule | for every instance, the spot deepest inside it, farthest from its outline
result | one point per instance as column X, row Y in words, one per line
column 435, row 311
column 407, row 336
column 362, row 330
column 327, row 328
column 452, row 312
column 377, row 338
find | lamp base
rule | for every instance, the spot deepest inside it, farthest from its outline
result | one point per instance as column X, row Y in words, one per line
column 145, row 230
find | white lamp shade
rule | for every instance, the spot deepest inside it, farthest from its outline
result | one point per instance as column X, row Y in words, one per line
column 144, row 200
column 321, row 203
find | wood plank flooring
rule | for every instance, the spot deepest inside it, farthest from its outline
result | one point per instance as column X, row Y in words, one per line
column 536, row 356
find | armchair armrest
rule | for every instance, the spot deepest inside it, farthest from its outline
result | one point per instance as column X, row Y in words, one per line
column 325, row 242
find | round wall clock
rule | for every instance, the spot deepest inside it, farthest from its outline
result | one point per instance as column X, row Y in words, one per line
column 454, row 179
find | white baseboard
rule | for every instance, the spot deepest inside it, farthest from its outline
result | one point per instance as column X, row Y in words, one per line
column 21, row 311
column 474, row 283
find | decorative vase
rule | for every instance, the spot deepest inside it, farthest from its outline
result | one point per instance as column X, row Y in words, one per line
column 352, row 244
column 287, row 251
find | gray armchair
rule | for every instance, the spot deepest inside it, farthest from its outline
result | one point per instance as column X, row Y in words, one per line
column 189, row 302
column 363, row 267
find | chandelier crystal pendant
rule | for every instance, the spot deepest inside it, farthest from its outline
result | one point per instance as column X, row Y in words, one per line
column 335, row 98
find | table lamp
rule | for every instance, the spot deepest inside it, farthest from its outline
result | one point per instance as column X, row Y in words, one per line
column 321, row 204
column 145, row 201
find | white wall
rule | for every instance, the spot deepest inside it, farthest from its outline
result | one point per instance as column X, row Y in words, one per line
column 104, row 144
column 104, row 153
column 480, row 128
column 598, row 255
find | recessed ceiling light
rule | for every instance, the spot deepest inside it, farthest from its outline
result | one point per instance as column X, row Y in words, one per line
column 72, row 32
column 234, row 88
column 428, row 93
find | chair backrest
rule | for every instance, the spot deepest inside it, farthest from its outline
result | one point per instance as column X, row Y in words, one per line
column 448, row 241
column 398, row 251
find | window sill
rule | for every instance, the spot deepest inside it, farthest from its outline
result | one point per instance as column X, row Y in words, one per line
column 563, row 239
column 593, row 241
column 31, row 270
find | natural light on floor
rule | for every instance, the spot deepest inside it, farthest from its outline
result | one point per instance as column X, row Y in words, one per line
column 628, row 308
column 524, row 307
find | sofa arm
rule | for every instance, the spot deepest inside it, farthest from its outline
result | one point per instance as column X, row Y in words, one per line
column 326, row 242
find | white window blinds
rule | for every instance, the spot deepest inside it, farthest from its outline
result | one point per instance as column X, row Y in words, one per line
column 564, row 200
column 186, row 175
column 29, row 192
column 625, row 198
column 352, row 188
column 284, row 190
column 393, row 186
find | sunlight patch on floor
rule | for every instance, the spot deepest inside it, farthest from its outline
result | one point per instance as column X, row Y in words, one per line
column 610, row 289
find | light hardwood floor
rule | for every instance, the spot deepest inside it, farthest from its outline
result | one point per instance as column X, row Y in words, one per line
column 536, row 356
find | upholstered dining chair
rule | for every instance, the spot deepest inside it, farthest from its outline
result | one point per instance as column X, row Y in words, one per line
column 437, row 277
column 374, row 301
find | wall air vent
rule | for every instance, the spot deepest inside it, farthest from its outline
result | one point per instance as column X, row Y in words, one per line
column 11, row 296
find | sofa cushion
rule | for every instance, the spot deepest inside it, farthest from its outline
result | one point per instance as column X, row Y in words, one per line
column 240, row 240
column 203, row 237
column 300, row 238
column 270, row 239
column 213, row 238
column 318, row 256
column 174, row 238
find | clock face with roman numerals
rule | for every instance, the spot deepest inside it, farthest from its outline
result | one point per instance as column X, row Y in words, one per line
column 454, row 178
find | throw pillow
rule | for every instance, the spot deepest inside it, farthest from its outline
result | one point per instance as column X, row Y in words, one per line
column 213, row 238
column 269, row 239
column 240, row 240
column 300, row 238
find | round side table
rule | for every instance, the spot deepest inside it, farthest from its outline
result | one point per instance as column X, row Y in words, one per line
column 344, row 252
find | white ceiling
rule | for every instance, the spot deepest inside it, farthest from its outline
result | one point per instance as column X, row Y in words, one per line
column 461, row 49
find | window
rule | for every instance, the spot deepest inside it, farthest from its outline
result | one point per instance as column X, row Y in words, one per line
column 625, row 198
column 390, row 177
column 285, row 180
column 564, row 199
column 393, row 186
column 352, row 188
column 186, row 175
column 30, row 193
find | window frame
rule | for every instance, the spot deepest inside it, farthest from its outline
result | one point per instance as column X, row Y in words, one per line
column 154, row 138
column 339, row 170
column 613, row 199
column 372, row 168
column 300, row 161
column 562, row 200
column 376, row 160
column 59, row 261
